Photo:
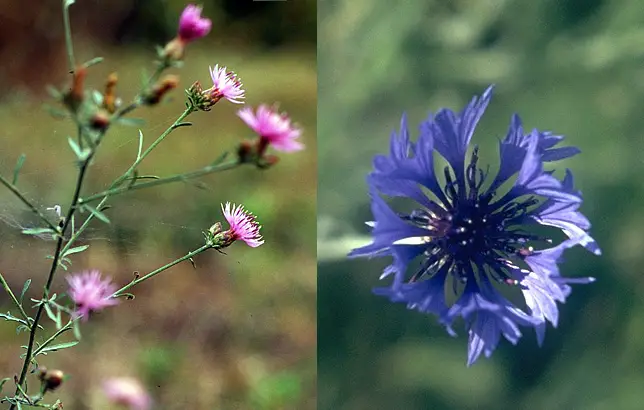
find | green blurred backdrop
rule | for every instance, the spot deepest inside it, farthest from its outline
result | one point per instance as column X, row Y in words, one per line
column 239, row 332
column 571, row 66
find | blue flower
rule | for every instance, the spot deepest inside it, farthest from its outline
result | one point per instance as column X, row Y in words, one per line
column 468, row 236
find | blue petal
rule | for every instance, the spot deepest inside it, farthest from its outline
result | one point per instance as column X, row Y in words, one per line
column 564, row 215
column 388, row 229
column 426, row 296
column 402, row 188
column 420, row 168
column 533, row 180
column 452, row 132
column 488, row 315
column 548, row 154
column 403, row 255
column 512, row 152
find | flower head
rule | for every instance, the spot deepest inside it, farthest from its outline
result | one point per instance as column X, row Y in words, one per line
column 225, row 84
column 90, row 293
column 273, row 128
column 128, row 392
column 243, row 227
column 191, row 25
column 469, row 236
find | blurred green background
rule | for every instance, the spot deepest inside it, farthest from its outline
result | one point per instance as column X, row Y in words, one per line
column 239, row 332
column 570, row 66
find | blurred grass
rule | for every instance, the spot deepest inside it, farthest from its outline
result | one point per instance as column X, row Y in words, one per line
column 568, row 66
column 237, row 332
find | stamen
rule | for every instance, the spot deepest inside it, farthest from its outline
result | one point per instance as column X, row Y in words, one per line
column 450, row 189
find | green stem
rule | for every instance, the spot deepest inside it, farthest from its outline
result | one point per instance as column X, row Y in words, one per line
column 68, row 37
column 138, row 100
column 25, row 201
column 106, row 194
column 50, row 278
column 159, row 270
column 181, row 177
column 53, row 337
column 141, row 157
column 5, row 285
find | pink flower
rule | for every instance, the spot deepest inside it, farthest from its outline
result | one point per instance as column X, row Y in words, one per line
column 191, row 25
column 90, row 293
column 127, row 391
column 273, row 128
column 243, row 225
column 225, row 84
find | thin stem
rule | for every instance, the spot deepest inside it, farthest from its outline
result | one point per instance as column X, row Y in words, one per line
column 25, row 201
column 138, row 100
column 189, row 110
column 5, row 285
column 106, row 194
column 68, row 37
column 159, row 270
column 141, row 157
column 181, row 177
column 52, row 272
column 53, row 337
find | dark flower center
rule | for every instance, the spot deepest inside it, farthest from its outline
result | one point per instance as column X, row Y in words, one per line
column 473, row 234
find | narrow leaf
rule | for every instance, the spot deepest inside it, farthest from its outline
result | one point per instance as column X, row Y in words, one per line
column 74, row 250
column 3, row 381
column 131, row 122
column 93, row 61
column 96, row 213
column 8, row 316
column 24, row 290
column 138, row 155
column 38, row 231
column 97, row 97
column 81, row 154
column 18, row 167
column 54, row 318
column 64, row 261
column 59, row 346
column 59, row 320
column 76, row 328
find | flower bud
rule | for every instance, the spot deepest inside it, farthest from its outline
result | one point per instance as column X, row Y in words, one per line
column 51, row 379
column 215, row 229
column 245, row 152
column 109, row 98
column 100, row 120
column 161, row 88
column 74, row 97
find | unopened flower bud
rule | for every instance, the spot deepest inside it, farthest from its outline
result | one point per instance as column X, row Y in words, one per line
column 160, row 89
column 100, row 120
column 245, row 152
column 215, row 229
column 199, row 98
column 174, row 50
column 109, row 99
column 74, row 97
column 51, row 379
